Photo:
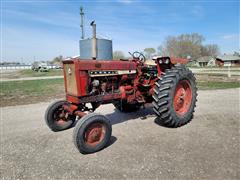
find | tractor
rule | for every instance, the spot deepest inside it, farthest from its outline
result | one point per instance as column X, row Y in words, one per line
column 128, row 84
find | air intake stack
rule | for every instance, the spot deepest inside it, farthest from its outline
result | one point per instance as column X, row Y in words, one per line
column 94, row 40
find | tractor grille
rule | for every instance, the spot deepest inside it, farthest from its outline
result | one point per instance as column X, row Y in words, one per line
column 71, row 86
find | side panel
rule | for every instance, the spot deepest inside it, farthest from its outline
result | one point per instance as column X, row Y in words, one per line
column 82, row 82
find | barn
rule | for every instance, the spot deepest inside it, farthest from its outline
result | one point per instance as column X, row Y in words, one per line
column 228, row 60
column 205, row 61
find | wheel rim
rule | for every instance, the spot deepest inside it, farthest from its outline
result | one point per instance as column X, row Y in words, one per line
column 95, row 134
column 183, row 97
column 60, row 117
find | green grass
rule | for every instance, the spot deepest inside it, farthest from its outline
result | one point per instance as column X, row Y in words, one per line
column 220, row 70
column 203, row 85
column 36, row 87
column 25, row 92
column 31, row 73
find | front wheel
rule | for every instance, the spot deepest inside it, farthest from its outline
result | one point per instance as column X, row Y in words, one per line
column 175, row 97
column 57, row 118
column 92, row 133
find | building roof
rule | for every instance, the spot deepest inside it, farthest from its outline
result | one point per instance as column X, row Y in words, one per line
column 205, row 59
column 229, row 58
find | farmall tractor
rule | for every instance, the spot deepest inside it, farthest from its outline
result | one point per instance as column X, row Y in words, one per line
column 128, row 85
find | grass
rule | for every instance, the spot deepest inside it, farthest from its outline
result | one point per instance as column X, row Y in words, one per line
column 30, row 87
column 25, row 92
column 220, row 70
column 203, row 85
column 31, row 73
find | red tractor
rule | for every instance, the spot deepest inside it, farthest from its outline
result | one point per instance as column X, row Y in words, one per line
column 128, row 85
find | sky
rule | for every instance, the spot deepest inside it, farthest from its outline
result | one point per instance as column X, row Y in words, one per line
column 41, row 30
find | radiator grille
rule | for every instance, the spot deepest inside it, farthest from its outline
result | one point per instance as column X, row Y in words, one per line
column 70, row 79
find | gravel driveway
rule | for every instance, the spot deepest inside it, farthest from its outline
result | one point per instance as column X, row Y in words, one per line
column 206, row 148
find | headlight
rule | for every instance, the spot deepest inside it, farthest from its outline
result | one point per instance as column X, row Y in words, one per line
column 160, row 61
column 167, row 61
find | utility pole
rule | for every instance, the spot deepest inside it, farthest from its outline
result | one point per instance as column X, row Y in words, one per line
column 82, row 21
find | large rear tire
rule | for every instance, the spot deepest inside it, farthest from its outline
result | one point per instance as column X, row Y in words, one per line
column 175, row 97
column 57, row 118
column 92, row 133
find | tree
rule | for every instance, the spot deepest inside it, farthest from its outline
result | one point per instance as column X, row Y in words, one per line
column 210, row 50
column 57, row 60
column 118, row 55
column 236, row 53
column 186, row 45
column 149, row 52
column 161, row 50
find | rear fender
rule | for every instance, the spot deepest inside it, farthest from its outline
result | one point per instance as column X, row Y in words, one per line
column 169, row 59
column 166, row 62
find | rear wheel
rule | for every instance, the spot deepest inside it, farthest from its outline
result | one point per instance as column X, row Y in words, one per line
column 175, row 97
column 57, row 118
column 124, row 106
column 92, row 133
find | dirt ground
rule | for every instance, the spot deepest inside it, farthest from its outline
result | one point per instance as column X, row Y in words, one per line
column 206, row 148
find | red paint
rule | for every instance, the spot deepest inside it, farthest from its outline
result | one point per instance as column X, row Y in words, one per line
column 175, row 60
column 182, row 98
column 82, row 66
column 129, row 92
column 70, row 108
column 103, row 65
column 72, row 99
column 60, row 116
column 94, row 134
column 82, row 82
column 80, row 113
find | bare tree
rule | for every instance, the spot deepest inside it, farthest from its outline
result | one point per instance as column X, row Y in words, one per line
column 236, row 53
column 149, row 52
column 186, row 45
column 118, row 55
column 210, row 50
column 161, row 51
column 183, row 45
column 57, row 60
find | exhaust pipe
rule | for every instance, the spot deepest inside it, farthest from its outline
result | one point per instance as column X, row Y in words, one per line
column 94, row 41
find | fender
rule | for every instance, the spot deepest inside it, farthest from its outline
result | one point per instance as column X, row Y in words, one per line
column 171, row 59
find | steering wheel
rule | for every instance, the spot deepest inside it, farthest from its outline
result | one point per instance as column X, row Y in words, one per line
column 139, row 56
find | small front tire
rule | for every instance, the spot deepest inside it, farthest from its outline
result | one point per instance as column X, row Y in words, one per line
column 57, row 118
column 92, row 133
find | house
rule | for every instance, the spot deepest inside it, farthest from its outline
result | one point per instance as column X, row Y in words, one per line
column 205, row 61
column 228, row 60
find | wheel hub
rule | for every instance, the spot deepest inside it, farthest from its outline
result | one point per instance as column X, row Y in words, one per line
column 60, row 116
column 182, row 98
column 94, row 134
